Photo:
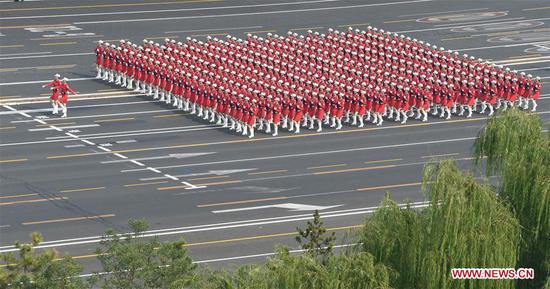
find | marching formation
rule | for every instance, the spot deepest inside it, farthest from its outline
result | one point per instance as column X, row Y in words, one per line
column 314, row 80
column 60, row 94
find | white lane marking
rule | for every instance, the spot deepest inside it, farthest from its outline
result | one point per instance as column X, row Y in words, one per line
column 5, row 226
column 527, row 62
column 42, row 81
column 147, row 133
column 137, row 163
column 93, row 105
column 171, row 177
column 175, row 128
column 176, row 156
column 21, row 54
column 189, row 186
column 170, row 10
column 153, row 170
column 536, row 68
column 47, row 99
column 501, row 46
column 216, row 227
column 47, row 56
column 215, row 29
column 464, row 26
column 508, row 61
column 126, row 141
column 15, row 111
column 212, row 172
column 289, row 206
column 75, row 146
column 482, row 22
column 252, row 13
column 442, row 12
column 63, row 127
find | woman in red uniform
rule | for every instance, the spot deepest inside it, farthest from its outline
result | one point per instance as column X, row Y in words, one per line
column 55, row 92
column 64, row 97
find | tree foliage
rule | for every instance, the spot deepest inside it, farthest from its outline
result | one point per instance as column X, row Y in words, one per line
column 465, row 226
column 519, row 154
column 314, row 239
column 139, row 263
column 44, row 270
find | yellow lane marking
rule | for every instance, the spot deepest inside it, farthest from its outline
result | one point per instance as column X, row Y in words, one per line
column 32, row 26
column 8, row 69
column 211, row 34
column 264, row 236
column 209, row 178
column 261, row 31
column 225, row 241
column 66, row 37
column 146, row 184
column 352, row 25
column 62, row 123
column 13, row 161
column 524, row 59
column 267, row 172
column 58, row 43
column 55, row 67
column 82, row 190
column 110, row 89
column 12, row 46
column 115, row 119
column 389, row 186
column 7, row 127
column 355, row 170
column 9, row 96
column 306, row 28
column 456, row 38
column 399, row 21
column 520, row 56
column 161, row 37
column 105, row 5
column 166, row 115
column 199, row 185
column 327, row 166
column 69, row 219
column 438, row 156
column 382, row 161
column 536, row 8
column 32, row 201
column 18, row 196
column 241, row 202
column 240, row 141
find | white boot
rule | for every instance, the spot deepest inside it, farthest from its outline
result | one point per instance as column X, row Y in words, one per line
column 276, row 130
column 404, row 118
column 534, row 105
column 54, row 105
column 354, row 122
column 64, row 108
column 297, row 126
column 491, row 110
column 98, row 76
column 320, row 125
column 268, row 127
column 130, row 82
column 361, row 124
column 251, row 132
column 469, row 112
column 339, row 127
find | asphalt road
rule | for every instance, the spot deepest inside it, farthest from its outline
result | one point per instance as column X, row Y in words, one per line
column 73, row 178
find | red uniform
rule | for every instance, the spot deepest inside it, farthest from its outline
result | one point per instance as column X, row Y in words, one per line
column 55, row 90
column 65, row 90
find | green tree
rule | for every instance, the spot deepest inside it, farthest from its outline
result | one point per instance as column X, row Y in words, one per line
column 519, row 155
column 314, row 239
column 465, row 226
column 143, row 263
column 44, row 270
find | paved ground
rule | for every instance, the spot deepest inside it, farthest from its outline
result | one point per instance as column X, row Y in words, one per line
column 73, row 178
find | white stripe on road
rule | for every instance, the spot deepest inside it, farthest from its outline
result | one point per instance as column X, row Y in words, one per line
column 21, row 54
column 47, row 56
column 250, row 13
column 215, row 227
column 464, row 26
column 214, row 29
column 75, row 146
column 126, row 141
column 64, row 127
column 42, row 81
column 442, row 12
column 169, row 10
column 502, row 46
column 482, row 22
column 535, row 68
column 176, row 128
column 91, row 105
